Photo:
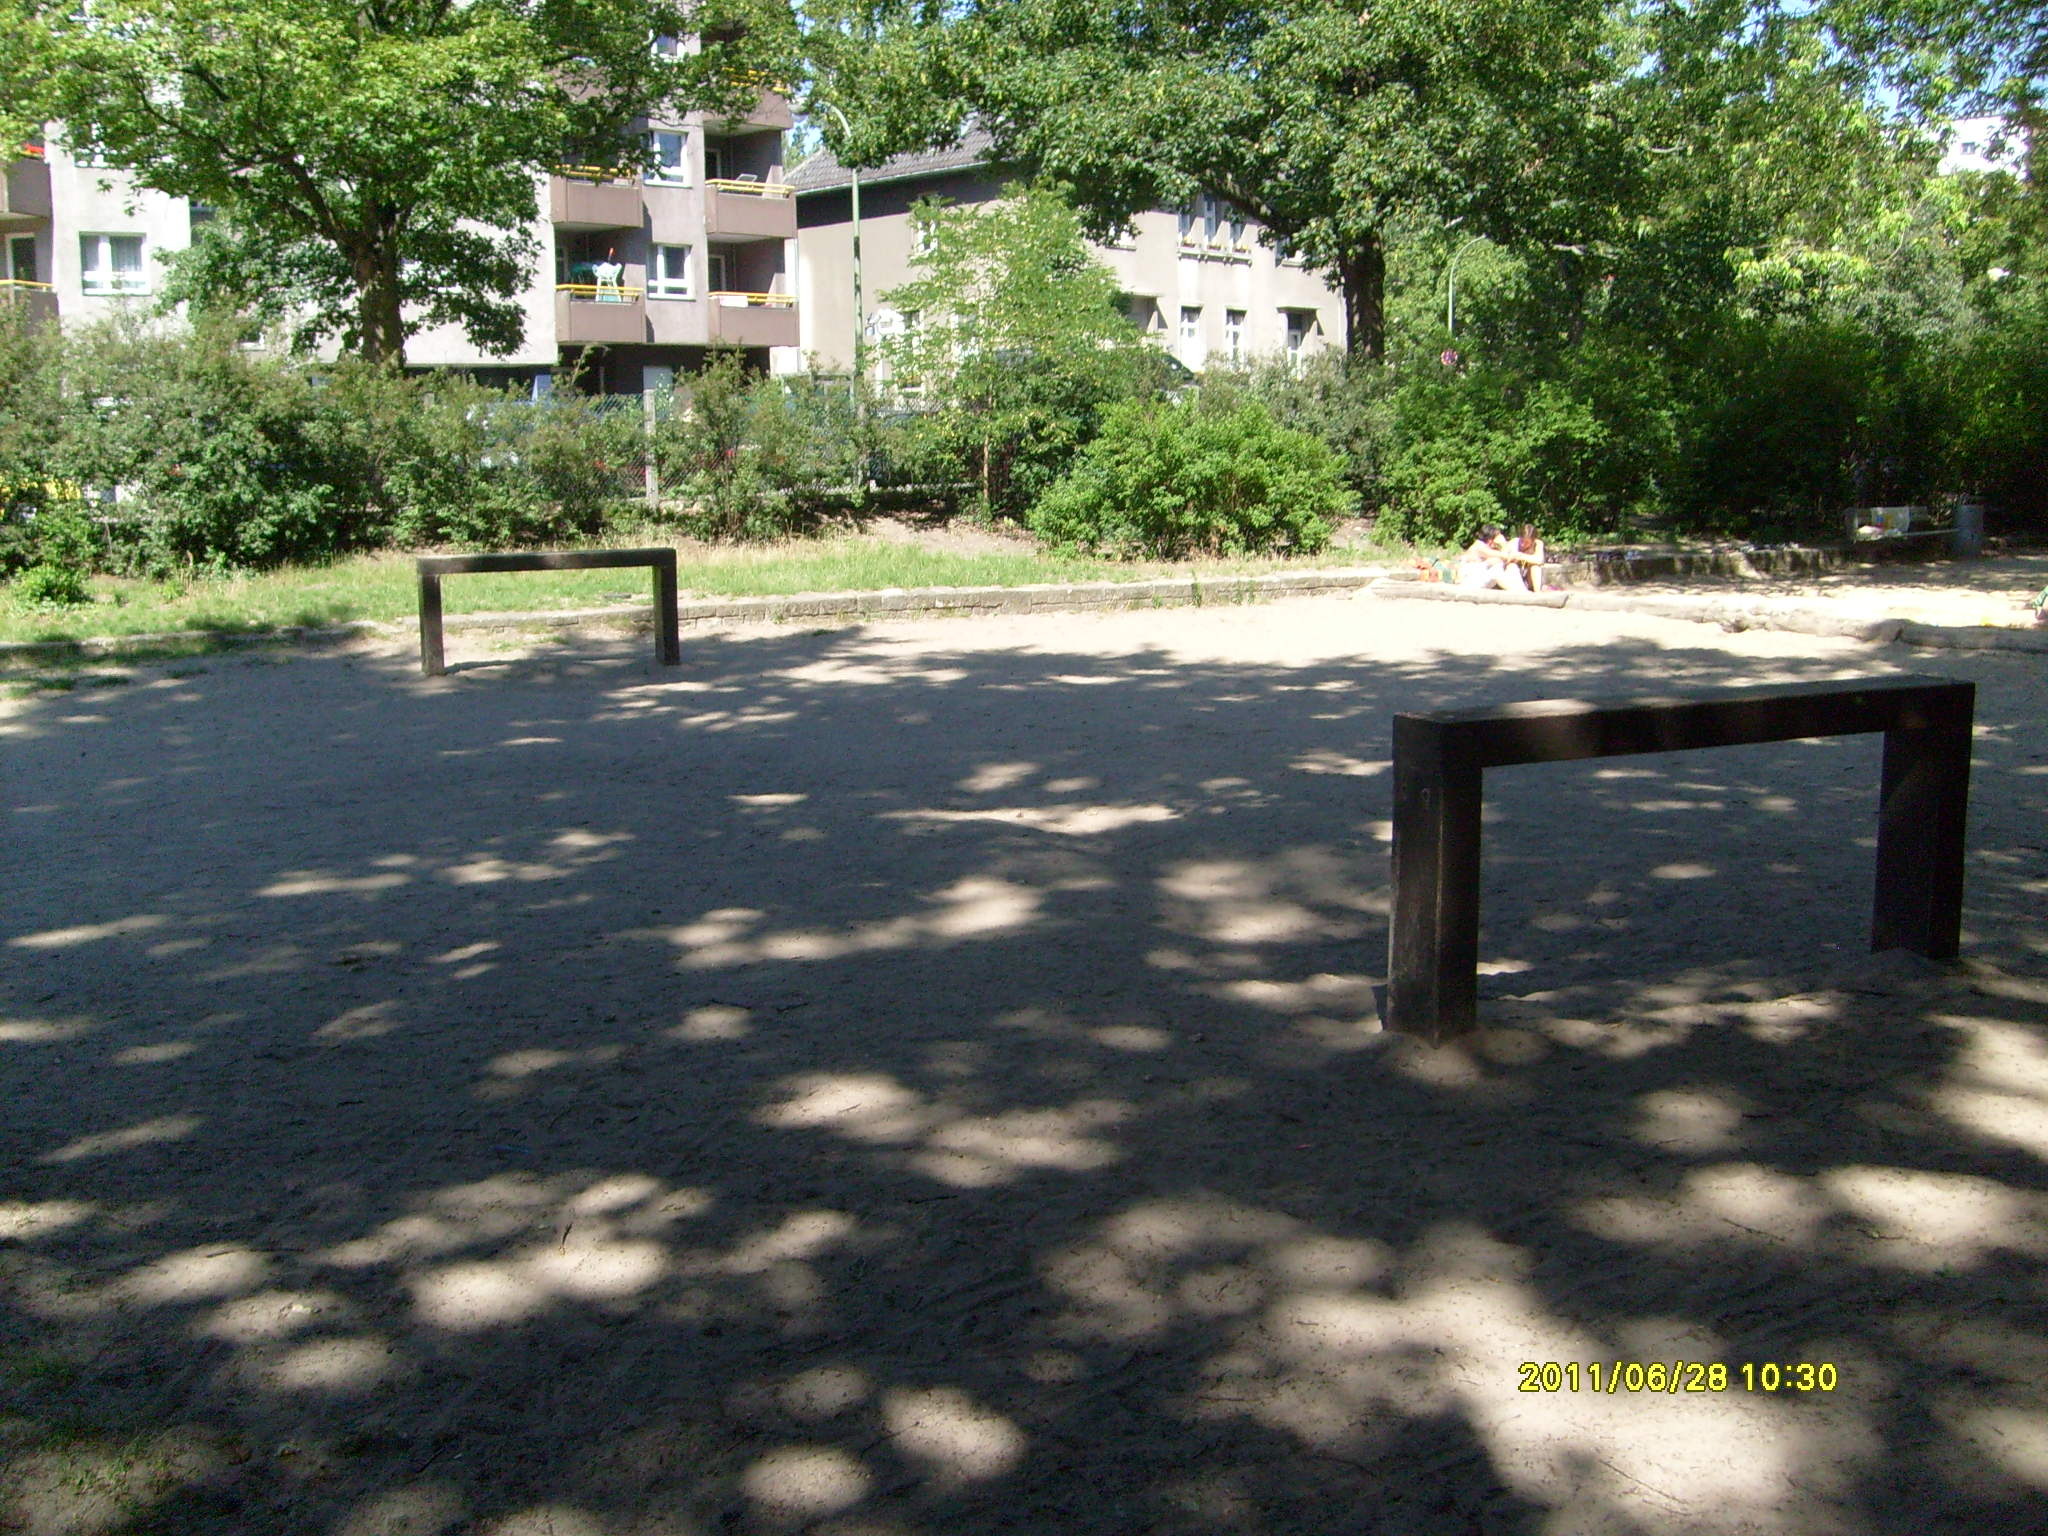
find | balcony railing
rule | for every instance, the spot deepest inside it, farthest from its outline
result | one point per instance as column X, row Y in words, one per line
column 753, row 319
column 24, row 192
column 589, row 197
column 599, row 313
column 37, row 300
column 749, row 210
column 740, row 186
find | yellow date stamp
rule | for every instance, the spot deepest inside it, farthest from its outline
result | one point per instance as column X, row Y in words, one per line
column 1675, row 1377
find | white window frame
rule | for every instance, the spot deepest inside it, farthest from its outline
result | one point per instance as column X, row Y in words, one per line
column 1233, row 334
column 1192, row 352
column 666, row 47
column 97, row 273
column 660, row 285
column 658, row 171
column 1188, row 235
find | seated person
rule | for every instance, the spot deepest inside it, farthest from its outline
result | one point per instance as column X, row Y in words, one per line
column 1526, row 555
column 1485, row 563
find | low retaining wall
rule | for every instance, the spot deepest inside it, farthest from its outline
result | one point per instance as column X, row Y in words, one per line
column 1599, row 568
column 1735, row 613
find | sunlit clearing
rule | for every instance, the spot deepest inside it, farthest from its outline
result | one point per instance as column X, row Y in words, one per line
column 801, row 1235
column 992, row 777
column 1682, row 872
column 336, row 1366
column 1062, row 820
column 306, row 883
column 800, row 1480
column 956, row 1439
column 1324, row 760
column 1941, row 1219
column 1994, row 1088
column 1696, row 1120
column 22, row 1222
column 151, row 1055
column 196, row 1273
column 967, row 909
column 975, row 1153
column 41, row 1031
column 270, row 1315
column 65, row 938
column 547, row 1520
column 1729, row 1202
column 720, row 1021
column 148, row 1133
column 2015, row 1440
column 422, row 1509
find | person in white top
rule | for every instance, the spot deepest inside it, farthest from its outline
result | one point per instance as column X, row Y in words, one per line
column 1485, row 563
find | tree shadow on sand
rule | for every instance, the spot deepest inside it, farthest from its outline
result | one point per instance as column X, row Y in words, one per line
column 847, row 1088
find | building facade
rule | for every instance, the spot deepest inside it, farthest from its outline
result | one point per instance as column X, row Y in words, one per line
column 637, row 275
column 1198, row 281
column 73, row 250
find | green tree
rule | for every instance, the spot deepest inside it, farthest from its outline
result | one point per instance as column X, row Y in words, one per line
column 1016, row 341
column 1335, row 126
column 374, row 165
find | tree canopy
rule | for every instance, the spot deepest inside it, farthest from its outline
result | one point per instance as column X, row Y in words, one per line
column 373, row 165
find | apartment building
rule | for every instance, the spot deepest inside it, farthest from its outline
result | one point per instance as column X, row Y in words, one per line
column 642, row 273
column 1197, row 280
column 71, row 250
column 638, row 274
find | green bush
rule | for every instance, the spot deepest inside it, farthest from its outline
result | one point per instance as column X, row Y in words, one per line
column 1345, row 402
column 51, row 586
column 750, row 456
column 1175, row 479
column 1581, row 447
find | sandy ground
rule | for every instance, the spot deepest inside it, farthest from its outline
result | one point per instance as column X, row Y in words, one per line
column 925, row 1079
column 1994, row 592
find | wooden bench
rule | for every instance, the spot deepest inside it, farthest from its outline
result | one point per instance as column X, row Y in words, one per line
column 667, row 638
column 1433, row 945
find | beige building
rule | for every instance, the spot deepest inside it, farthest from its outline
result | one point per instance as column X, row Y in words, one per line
column 1197, row 280
column 636, row 277
column 76, row 251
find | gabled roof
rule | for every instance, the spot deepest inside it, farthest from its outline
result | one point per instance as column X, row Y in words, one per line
column 822, row 172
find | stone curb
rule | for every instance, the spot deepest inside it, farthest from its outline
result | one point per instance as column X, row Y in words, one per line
column 1736, row 614
column 892, row 602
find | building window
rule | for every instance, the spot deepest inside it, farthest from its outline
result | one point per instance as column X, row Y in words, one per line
column 719, row 269
column 1240, row 232
column 1188, row 230
column 668, row 276
column 111, row 264
column 21, row 259
column 1299, row 322
column 1191, row 335
column 668, row 47
column 1212, row 219
column 670, row 155
column 1233, row 334
column 714, row 162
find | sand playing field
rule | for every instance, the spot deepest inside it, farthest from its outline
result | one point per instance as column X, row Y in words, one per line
column 924, row 1080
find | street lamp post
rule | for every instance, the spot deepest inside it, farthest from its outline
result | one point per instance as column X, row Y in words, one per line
column 860, row 329
column 1451, row 297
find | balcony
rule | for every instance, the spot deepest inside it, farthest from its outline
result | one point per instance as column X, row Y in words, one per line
column 37, row 301
column 753, row 319
column 25, row 193
column 769, row 111
column 589, row 315
column 584, row 197
column 749, row 210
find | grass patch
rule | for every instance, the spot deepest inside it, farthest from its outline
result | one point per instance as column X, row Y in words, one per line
column 384, row 587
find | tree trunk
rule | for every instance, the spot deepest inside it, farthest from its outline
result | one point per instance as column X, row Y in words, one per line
column 1362, row 272
column 379, row 324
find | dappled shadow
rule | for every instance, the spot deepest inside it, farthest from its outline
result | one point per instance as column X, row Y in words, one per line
column 870, row 1083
